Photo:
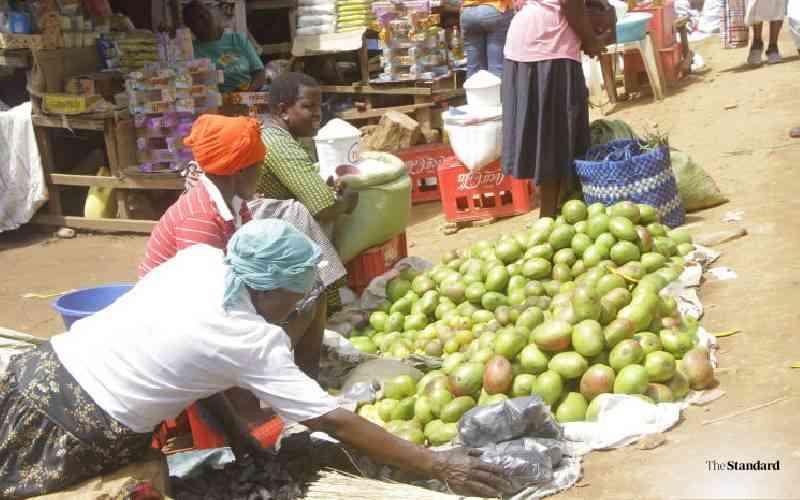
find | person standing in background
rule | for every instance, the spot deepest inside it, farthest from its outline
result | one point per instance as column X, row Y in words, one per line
column 545, row 100
column 793, row 11
column 484, row 26
column 231, row 52
column 759, row 12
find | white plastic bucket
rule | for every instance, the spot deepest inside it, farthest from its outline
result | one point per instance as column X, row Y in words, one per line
column 483, row 90
column 334, row 152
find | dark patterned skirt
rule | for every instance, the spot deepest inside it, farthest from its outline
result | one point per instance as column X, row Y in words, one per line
column 545, row 119
column 52, row 434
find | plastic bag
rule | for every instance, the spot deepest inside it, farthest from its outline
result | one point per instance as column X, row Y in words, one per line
column 383, row 212
column 98, row 201
column 375, row 168
column 475, row 136
column 316, row 30
column 379, row 370
column 524, row 461
column 696, row 188
column 507, row 420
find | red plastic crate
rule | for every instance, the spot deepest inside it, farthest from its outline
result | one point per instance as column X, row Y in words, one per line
column 422, row 162
column 205, row 437
column 482, row 194
column 375, row 261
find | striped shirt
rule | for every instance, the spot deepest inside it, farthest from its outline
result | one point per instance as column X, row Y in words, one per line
column 289, row 173
column 199, row 216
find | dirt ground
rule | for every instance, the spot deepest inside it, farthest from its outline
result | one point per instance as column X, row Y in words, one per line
column 734, row 121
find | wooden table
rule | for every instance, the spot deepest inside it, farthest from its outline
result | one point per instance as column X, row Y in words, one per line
column 118, row 131
column 425, row 95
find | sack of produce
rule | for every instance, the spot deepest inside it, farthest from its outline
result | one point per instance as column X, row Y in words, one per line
column 507, row 420
column 696, row 188
column 625, row 170
column 382, row 212
column 604, row 131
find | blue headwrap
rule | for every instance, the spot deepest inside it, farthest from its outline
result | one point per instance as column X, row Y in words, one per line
column 268, row 254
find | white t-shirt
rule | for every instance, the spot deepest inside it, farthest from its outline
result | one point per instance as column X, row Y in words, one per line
column 169, row 342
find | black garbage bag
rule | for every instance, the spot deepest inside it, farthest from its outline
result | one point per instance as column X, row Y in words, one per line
column 511, row 419
column 525, row 461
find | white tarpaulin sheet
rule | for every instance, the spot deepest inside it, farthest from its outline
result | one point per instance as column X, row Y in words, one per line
column 22, row 186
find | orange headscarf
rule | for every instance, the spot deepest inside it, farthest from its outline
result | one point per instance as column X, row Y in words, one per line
column 224, row 145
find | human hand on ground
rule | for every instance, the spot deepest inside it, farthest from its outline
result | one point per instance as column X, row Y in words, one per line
column 465, row 474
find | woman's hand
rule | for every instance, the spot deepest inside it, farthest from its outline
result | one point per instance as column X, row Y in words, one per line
column 465, row 474
column 593, row 47
column 350, row 200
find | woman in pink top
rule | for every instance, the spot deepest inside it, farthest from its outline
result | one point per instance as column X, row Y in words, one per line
column 545, row 100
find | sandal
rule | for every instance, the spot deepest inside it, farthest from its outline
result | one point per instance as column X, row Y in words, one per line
column 795, row 133
column 773, row 56
column 754, row 58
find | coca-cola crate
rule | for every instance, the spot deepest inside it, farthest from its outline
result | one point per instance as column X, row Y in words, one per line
column 422, row 162
column 375, row 261
column 482, row 194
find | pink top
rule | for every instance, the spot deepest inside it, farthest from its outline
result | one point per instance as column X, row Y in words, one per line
column 539, row 32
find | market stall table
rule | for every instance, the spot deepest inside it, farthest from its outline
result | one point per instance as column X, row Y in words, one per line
column 426, row 94
column 117, row 129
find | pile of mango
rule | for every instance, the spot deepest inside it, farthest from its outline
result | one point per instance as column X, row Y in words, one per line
column 569, row 310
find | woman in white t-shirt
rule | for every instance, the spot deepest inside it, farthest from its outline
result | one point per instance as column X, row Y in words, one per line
column 86, row 402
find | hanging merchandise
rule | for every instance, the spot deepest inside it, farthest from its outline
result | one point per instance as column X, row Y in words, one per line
column 414, row 45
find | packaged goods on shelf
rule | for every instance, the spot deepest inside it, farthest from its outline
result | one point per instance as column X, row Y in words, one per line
column 164, row 100
column 414, row 46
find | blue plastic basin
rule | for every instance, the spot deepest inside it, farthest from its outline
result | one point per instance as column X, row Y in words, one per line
column 633, row 26
column 82, row 303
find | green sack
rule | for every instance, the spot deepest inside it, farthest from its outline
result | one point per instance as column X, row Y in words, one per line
column 604, row 131
column 696, row 188
column 383, row 212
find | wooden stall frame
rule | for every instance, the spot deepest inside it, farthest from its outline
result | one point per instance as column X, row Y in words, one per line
column 109, row 125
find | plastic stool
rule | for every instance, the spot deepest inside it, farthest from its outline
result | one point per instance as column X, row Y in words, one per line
column 652, row 66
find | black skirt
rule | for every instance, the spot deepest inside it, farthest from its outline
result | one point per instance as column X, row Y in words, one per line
column 52, row 434
column 545, row 119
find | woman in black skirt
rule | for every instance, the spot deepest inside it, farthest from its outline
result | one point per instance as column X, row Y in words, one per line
column 545, row 100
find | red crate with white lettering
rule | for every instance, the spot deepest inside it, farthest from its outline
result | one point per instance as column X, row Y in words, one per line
column 482, row 194
column 375, row 261
column 422, row 162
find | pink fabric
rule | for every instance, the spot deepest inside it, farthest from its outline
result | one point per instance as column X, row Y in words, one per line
column 539, row 32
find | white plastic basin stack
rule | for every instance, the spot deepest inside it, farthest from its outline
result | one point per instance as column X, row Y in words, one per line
column 475, row 130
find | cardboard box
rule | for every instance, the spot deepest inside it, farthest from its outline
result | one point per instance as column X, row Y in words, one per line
column 67, row 104
column 105, row 85
column 20, row 41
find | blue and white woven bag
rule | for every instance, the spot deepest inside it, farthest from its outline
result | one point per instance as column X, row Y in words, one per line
column 621, row 171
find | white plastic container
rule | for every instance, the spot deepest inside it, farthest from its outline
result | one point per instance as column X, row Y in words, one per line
column 337, row 143
column 483, row 90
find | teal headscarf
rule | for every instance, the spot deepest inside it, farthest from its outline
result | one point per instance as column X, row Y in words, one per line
column 268, row 254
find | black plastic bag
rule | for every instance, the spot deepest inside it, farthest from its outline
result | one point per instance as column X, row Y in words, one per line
column 511, row 419
column 525, row 461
